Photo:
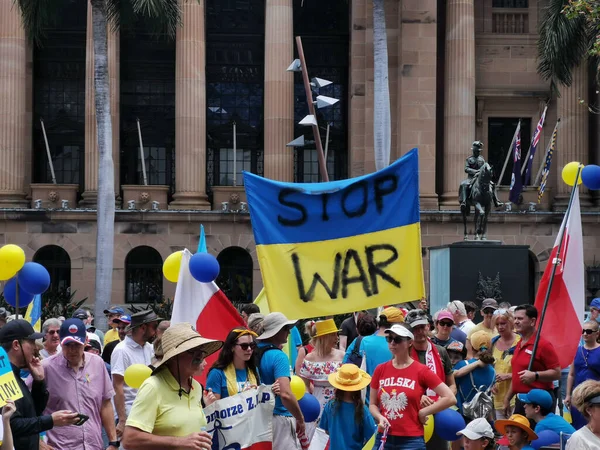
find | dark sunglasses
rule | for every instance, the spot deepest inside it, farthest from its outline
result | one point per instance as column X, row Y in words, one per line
column 246, row 345
column 446, row 324
column 584, row 331
column 197, row 354
column 52, row 331
column 395, row 339
column 489, row 311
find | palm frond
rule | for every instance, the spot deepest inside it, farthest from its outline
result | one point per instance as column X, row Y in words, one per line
column 563, row 44
column 166, row 14
column 37, row 15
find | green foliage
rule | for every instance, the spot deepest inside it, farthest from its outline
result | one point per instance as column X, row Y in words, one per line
column 568, row 36
column 54, row 304
column 163, row 309
column 60, row 303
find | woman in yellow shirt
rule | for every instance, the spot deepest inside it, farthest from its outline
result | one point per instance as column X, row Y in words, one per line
column 167, row 412
column 503, row 347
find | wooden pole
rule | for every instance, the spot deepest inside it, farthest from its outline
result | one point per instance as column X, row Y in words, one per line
column 142, row 153
column 48, row 152
column 311, row 110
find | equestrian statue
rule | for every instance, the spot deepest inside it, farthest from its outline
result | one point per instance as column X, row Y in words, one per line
column 479, row 191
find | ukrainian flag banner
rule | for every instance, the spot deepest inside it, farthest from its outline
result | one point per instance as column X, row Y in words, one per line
column 342, row 246
column 33, row 315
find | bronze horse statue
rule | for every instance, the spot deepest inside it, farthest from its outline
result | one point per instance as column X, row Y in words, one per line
column 480, row 197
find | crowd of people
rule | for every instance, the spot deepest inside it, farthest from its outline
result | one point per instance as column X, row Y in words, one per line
column 384, row 375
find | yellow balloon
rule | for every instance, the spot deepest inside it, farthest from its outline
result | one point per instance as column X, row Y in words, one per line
column 12, row 257
column 172, row 265
column 136, row 374
column 6, row 272
column 569, row 173
column 428, row 429
column 298, row 387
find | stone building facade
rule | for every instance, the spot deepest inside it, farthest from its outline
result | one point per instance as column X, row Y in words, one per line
column 459, row 70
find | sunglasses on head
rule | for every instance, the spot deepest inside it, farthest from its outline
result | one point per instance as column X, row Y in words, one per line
column 246, row 345
column 446, row 324
column 588, row 331
column 395, row 339
column 500, row 311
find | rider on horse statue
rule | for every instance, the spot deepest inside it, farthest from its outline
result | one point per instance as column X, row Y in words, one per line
column 472, row 165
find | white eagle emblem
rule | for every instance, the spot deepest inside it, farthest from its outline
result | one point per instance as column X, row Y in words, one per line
column 394, row 404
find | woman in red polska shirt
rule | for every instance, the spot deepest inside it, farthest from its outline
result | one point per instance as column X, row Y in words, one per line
column 396, row 390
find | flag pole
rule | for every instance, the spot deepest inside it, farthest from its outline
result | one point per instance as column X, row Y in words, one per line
column 142, row 157
column 50, row 164
column 555, row 262
column 509, row 153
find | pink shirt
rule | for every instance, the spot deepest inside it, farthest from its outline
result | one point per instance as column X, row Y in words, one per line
column 81, row 392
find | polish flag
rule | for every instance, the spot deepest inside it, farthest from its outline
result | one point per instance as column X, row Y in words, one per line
column 205, row 306
column 566, row 304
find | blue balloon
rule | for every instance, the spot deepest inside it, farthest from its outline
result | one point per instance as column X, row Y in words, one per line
column 34, row 278
column 204, row 267
column 10, row 294
column 310, row 407
column 546, row 437
column 590, row 175
column 447, row 423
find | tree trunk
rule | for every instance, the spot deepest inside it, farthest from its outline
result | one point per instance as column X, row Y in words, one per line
column 106, row 175
column 381, row 120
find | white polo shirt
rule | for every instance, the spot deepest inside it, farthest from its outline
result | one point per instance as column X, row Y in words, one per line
column 125, row 354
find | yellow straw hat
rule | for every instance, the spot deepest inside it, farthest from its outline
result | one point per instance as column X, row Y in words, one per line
column 349, row 378
column 324, row 327
column 180, row 338
column 519, row 421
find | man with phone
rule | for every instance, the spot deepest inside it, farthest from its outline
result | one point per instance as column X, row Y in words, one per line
column 18, row 340
column 78, row 381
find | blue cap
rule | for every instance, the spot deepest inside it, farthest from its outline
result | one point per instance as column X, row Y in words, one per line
column 123, row 319
column 537, row 397
column 72, row 330
column 115, row 310
column 595, row 303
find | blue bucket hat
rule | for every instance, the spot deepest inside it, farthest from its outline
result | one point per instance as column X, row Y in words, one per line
column 595, row 303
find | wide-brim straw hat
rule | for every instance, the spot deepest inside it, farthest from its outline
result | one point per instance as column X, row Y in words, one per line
column 180, row 338
column 273, row 323
column 519, row 421
column 349, row 378
column 325, row 327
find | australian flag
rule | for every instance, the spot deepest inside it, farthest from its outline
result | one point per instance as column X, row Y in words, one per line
column 516, row 181
column 534, row 143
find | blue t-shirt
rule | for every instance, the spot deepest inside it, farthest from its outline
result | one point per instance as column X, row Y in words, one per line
column 344, row 433
column 554, row 423
column 274, row 364
column 482, row 376
column 374, row 348
column 217, row 381
column 295, row 340
column 587, row 365
column 459, row 335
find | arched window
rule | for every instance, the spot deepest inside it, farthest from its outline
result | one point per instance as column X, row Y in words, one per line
column 235, row 277
column 143, row 275
column 57, row 262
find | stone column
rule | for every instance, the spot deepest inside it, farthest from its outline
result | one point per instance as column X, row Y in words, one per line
column 573, row 134
column 459, row 113
column 279, row 90
column 190, row 110
column 90, row 192
column 13, row 107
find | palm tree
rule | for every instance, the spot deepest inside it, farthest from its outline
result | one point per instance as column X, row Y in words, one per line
column 381, row 121
column 166, row 15
column 564, row 43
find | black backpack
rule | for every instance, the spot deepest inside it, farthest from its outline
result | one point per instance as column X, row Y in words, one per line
column 356, row 357
column 260, row 351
